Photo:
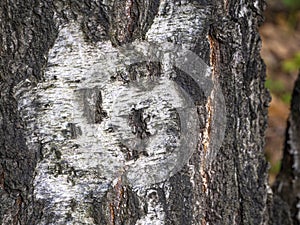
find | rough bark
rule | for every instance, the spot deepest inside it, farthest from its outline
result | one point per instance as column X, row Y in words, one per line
column 56, row 52
column 287, row 184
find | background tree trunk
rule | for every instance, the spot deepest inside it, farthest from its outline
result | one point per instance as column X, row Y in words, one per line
column 51, row 48
column 287, row 184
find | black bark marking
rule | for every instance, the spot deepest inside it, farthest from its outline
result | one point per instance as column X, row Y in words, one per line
column 137, row 71
column 100, row 114
column 190, row 86
column 72, row 131
column 132, row 154
column 95, row 22
column 179, row 206
column 92, row 103
column 91, row 14
column 151, row 70
column 138, row 123
column 120, row 205
column 131, row 19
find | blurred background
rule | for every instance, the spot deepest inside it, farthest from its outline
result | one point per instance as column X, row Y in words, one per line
column 280, row 36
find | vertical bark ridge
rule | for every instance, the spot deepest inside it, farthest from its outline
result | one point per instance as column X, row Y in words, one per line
column 247, row 99
column 27, row 32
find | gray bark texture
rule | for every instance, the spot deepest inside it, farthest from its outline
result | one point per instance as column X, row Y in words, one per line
column 55, row 170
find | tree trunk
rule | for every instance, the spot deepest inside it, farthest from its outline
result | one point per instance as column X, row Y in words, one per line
column 132, row 112
column 287, row 184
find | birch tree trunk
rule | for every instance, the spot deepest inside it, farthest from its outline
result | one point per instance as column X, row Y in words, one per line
column 92, row 134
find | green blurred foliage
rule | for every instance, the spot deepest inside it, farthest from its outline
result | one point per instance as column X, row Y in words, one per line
column 292, row 4
column 286, row 98
column 278, row 88
column 274, row 86
column 292, row 64
column 293, row 7
column 275, row 167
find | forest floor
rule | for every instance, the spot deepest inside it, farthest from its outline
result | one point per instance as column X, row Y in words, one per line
column 280, row 36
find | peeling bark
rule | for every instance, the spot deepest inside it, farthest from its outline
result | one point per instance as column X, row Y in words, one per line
column 64, row 160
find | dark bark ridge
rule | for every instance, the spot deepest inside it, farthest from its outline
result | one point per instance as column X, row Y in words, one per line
column 27, row 33
column 241, row 72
